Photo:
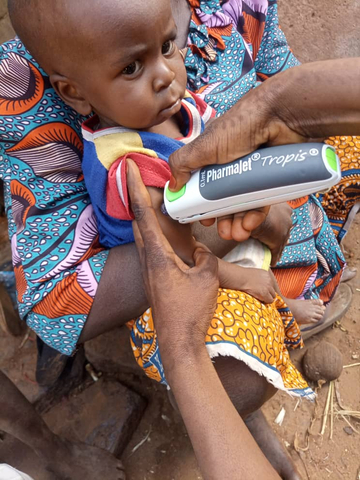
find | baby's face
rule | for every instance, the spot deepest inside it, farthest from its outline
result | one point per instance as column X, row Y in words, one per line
column 135, row 75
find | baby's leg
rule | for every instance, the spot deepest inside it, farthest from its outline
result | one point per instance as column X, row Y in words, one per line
column 304, row 311
column 249, row 391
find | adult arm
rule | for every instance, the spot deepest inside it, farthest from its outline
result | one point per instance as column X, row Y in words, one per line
column 223, row 445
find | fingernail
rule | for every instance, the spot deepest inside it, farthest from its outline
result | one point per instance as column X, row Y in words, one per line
column 172, row 184
column 128, row 168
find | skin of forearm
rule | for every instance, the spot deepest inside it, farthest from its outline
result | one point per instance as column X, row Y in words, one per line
column 193, row 380
column 231, row 275
column 318, row 99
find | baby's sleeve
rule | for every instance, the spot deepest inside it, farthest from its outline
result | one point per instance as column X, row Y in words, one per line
column 206, row 112
column 154, row 172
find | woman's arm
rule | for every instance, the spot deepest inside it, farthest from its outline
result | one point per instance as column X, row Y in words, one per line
column 223, row 445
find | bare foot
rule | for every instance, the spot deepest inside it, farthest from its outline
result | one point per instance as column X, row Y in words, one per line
column 271, row 447
column 78, row 461
column 306, row 311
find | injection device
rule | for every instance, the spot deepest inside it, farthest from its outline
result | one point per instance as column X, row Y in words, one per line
column 264, row 177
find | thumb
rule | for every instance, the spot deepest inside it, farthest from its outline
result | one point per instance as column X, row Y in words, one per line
column 201, row 152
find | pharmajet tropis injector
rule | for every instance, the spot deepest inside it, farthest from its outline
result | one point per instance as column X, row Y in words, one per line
column 264, row 177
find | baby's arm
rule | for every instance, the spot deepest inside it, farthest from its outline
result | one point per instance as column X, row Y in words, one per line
column 179, row 236
column 256, row 282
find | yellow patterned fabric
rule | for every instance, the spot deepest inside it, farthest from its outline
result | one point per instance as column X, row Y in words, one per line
column 242, row 327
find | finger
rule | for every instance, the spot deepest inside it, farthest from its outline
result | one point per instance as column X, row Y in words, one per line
column 269, row 296
column 238, row 232
column 273, row 293
column 216, row 145
column 254, row 218
column 147, row 223
column 237, row 133
column 276, row 255
column 191, row 157
column 208, row 222
column 224, row 226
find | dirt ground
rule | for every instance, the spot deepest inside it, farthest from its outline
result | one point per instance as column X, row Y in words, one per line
column 315, row 30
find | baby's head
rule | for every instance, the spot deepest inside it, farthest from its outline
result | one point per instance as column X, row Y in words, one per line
column 116, row 58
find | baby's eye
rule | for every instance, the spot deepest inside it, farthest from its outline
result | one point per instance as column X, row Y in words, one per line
column 168, row 47
column 131, row 68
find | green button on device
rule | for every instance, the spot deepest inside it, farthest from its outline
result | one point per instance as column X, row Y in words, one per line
column 172, row 196
column 331, row 159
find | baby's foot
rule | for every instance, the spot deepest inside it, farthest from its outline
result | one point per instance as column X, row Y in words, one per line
column 306, row 311
column 78, row 461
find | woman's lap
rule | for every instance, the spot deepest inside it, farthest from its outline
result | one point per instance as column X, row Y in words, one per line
column 258, row 335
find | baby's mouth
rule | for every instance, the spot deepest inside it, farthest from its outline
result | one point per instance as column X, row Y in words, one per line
column 171, row 107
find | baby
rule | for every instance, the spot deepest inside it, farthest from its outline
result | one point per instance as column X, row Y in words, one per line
column 127, row 70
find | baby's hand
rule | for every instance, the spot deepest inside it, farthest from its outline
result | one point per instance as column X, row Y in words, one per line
column 259, row 284
column 254, row 281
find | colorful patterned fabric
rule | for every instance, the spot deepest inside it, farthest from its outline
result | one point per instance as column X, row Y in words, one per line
column 105, row 152
column 57, row 257
column 233, row 44
column 242, row 327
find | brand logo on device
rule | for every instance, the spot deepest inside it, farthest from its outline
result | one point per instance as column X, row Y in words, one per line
column 283, row 160
column 238, row 167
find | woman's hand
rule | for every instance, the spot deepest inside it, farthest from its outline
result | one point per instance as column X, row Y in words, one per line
column 249, row 124
column 239, row 226
column 243, row 129
column 256, row 282
column 183, row 299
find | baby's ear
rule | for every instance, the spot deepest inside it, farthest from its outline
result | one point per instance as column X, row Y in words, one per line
column 68, row 91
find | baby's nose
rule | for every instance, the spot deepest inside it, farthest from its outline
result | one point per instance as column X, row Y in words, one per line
column 163, row 77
